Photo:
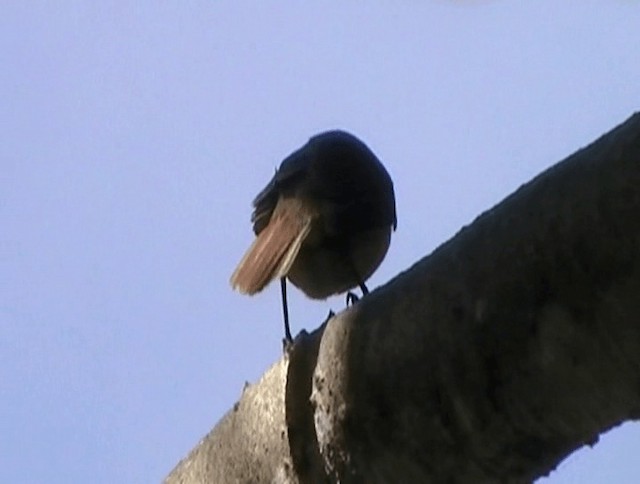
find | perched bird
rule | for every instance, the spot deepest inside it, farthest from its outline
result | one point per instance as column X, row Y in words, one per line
column 324, row 221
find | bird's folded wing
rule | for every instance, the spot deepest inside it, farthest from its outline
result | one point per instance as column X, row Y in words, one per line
column 275, row 248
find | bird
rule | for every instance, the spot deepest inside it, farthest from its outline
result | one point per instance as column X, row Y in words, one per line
column 323, row 222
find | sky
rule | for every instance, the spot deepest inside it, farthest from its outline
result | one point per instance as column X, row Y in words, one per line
column 134, row 136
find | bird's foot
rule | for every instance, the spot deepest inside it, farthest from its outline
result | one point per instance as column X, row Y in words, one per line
column 287, row 345
column 351, row 299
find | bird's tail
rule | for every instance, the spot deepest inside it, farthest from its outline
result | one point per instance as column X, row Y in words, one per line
column 274, row 249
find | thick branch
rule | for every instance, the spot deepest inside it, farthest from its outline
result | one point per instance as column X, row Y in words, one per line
column 490, row 360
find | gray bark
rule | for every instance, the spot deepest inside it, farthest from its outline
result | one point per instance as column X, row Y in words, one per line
column 491, row 360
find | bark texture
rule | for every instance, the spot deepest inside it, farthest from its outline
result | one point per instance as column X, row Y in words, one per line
column 490, row 360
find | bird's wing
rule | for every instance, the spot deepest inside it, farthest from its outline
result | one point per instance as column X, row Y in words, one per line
column 275, row 248
column 292, row 168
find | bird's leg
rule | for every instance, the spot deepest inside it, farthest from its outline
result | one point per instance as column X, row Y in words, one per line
column 351, row 299
column 285, row 311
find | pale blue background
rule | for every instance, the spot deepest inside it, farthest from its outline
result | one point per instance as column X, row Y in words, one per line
column 135, row 134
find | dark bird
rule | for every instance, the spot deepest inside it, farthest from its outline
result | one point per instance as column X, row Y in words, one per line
column 324, row 221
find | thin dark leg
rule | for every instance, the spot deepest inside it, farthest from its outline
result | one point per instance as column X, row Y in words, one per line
column 285, row 309
column 351, row 297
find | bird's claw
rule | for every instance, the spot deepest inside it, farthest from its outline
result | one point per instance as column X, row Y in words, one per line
column 351, row 299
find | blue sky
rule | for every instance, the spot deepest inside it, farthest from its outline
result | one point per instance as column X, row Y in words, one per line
column 135, row 134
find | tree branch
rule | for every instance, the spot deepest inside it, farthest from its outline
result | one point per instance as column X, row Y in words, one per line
column 491, row 360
